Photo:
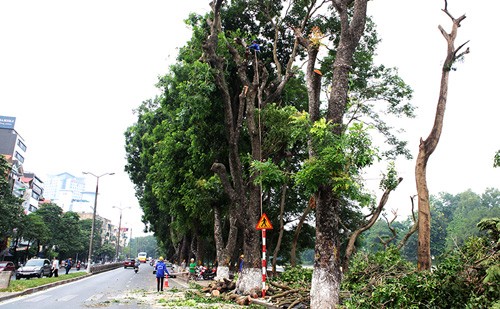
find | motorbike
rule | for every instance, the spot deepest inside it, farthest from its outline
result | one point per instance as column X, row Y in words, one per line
column 78, row 266
column 205, row 273
column 152, row 262
column 136, row 268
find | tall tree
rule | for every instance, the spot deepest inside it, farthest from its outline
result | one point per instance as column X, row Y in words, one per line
column 249, row 90
column 427, row 146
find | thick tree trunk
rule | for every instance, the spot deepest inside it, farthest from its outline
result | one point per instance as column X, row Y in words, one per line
column 224, row 251
column 427, row 147
column 325, row 286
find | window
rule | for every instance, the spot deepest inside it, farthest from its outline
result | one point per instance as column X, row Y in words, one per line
column 21, row 145
column 35, row 195
column 19, row 157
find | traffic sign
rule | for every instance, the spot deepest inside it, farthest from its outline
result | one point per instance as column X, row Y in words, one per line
column 264, row 223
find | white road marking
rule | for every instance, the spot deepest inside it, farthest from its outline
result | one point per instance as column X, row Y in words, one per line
column 94, row 297
column 38, row 298
column 67, row 297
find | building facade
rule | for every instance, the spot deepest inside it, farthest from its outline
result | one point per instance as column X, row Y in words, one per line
column 68, row 192
column 24, row 185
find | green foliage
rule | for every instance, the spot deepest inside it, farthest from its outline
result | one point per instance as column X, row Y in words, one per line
column 295, row 276
column 390, row 179
column 496, row 159
column 10, row 205
column 467, row 277
column 339, row 159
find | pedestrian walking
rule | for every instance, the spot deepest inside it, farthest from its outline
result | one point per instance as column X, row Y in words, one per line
column 161, row 272
column 183, row 265
column 69, row 263
column 192, row 271
column 55, row 267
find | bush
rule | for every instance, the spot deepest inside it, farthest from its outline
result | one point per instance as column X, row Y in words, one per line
column 468, row 277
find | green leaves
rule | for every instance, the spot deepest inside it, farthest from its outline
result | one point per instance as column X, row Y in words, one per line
column 339, row 159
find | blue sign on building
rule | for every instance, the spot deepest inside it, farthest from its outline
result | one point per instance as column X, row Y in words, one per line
column 7, row 122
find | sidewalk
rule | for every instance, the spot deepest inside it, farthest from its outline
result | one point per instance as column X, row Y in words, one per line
column 9, row 295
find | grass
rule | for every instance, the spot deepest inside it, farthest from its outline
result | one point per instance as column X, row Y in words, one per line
column 21, row 285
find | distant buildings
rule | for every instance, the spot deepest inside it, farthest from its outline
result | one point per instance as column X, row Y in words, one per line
column 65, row 190
column 25, row 185
column 69, row 193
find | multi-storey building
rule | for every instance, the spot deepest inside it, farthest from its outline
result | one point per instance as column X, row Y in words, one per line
column 33, row 192
column 67, row 190
column 27, row 186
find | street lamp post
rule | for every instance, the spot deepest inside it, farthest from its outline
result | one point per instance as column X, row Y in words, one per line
column 119, row 231
column 89, row 263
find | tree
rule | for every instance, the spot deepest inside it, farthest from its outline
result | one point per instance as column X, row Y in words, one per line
column 427, row 146
column 34, row 231
column 10, row 205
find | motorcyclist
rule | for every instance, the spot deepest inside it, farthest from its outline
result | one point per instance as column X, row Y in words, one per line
column 136, row 264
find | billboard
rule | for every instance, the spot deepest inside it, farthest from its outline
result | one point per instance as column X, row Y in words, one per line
column 7, row 122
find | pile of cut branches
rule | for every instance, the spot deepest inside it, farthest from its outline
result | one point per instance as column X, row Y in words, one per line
column 225, row 289
column 285, row 296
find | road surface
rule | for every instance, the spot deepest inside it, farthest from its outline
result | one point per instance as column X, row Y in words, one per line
column 111, row 289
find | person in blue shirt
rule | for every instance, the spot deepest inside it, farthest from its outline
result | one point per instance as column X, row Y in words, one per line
column 161, row 271
column 252, row 49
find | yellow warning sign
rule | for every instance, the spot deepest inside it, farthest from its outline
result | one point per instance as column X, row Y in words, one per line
column 264, row 223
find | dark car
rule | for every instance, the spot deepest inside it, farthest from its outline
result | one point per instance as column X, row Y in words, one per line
column 7, row 266
column 129, row 263
column 34, row 268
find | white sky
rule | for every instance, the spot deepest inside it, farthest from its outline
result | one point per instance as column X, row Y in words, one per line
column 71, row 72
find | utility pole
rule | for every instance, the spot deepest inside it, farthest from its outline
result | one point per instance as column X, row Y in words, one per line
column 119, row 232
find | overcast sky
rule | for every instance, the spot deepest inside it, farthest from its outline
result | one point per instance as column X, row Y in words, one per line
column 71, row 72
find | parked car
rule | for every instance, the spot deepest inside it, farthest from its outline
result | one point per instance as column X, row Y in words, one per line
column 34, row 268
column 7, row 266
column 129, row 263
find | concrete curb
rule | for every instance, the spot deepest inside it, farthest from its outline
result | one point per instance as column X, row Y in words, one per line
column 40, row 288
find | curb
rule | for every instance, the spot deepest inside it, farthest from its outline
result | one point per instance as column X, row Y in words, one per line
column 41, row 288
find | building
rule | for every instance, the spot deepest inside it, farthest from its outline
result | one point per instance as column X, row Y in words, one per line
column 25, row 185
column 109, row 231
column 13, row 147
column 33, row 192
column 68, row 192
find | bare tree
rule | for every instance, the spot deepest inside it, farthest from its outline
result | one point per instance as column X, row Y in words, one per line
column 427, row 146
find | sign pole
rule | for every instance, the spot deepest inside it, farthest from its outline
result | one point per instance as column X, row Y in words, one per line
column 263, row 225
column 263, row 263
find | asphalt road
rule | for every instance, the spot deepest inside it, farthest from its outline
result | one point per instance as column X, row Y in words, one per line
column 100, row 290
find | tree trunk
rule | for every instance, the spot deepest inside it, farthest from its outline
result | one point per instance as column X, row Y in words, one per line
column 427, row 147
column 325, row 285
column 280, row 237
column 312, row 204
column 374, row 217
column 224, row 251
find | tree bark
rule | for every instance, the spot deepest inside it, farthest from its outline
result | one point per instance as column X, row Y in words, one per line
column 224, row 251
column 427, row 147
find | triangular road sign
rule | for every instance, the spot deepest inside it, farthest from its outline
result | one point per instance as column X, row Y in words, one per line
column 264, row 223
